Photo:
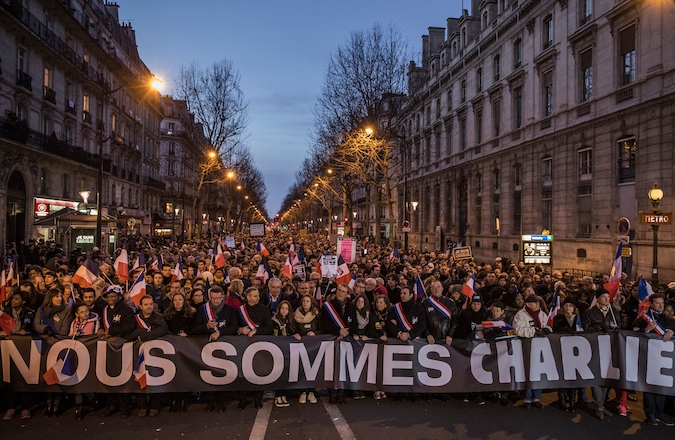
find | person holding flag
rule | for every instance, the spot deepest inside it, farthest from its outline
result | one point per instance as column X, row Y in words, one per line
column 654, row 321
column 85, row 323
column 118, row 320
column 150, row 326
column 253, row 319
column 338, row 318
column 17, row 319
column 121, row 265
column 440, row 317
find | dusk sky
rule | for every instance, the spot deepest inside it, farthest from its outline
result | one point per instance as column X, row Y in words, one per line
column 280, row 48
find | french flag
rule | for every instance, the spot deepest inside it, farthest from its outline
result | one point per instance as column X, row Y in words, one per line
column 140, row 261
column 260, row 247
column 394, row 254
column 353, row 281
column 121, row 265
column 3, row 286
column 140, row 373
column 555, row 309
column 343, row 275
column 264, row 271
column 86, row 274
column 644, row 292
column 291, row 262
column 7, row 322
column 220, row 257
column 469, row 287
column 418, row 288
column 301, row 254
column 612, row 286
column 157, row 264
column 243, row 245
column 496, row 324
column 137, row 291
column 177, row 271
column 59, row 372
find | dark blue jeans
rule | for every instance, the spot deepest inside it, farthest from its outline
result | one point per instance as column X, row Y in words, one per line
column 653, row 405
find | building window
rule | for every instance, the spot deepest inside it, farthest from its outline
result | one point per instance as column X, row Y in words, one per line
column 463, row 86
column 585, row 209
column 586, row 11
column 449, row 97
column 497, row 179
column 517, row 53
column 479, row 126
column 172, row 148
column 517, row 212
column 66, row 186
column 438, row 108
column 417, row 122
column 448, row 141
column 45, row 126
column 496, row 67
column 49, row 78
column 479, row 183
column 428, row 119
column 22, row 60
column 485, row 19
column 464, row 37
column 85, row 101
column 172, row 168
column 548, row 93
column 585, row 164
column 547, row 170
column 517, row 177
column 479, row 80
column 548, row 31
column 427, row 150
column 496, row 116
column 44, row 178
column 586, row 59
column 547, row 209
column 627, row 154
column 495, row 213
column 627, row 50
column 479, row 214
column 462, row 134
column 437, row 144
column 518, row 107
column 416, row 155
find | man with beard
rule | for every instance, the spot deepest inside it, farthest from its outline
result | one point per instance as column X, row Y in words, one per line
column 253, row 319
column 338, row 318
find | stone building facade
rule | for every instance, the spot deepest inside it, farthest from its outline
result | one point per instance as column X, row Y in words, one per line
column 528, row 116
column 69, row 73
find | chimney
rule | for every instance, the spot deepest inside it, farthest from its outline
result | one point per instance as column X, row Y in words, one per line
column 436, row 38
column 425, row 51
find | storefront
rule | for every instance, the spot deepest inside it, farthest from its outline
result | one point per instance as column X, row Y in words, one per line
column 75, row 229
column 46, row 207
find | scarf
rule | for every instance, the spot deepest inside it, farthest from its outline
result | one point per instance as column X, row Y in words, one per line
column 54, row 310
column 535, row 317
column 305, row 318
column 362, row 321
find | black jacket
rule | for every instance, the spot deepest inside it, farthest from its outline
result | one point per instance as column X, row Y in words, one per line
column 468, row 320
column 227, row 321
column 593, row 320
column 666, row 323
column 348, row 316
column 26, row 316
column 158, row 328
column 415, row 315
column 561, row 325
column 438, row 325
column 122, row 321
column 181, row 322
column 261, row 317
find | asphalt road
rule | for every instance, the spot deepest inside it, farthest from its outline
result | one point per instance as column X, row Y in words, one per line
column 362, row 419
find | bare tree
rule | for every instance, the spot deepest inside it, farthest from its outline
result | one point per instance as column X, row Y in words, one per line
column 214, row 96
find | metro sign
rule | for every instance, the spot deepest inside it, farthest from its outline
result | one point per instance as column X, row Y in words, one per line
column 664, row 218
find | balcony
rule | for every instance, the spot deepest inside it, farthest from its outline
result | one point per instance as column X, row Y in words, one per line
column 86, row 117
column 624, row 94
column 24, row 80
column 154, row 183
column 70, row 108
column 49, row 95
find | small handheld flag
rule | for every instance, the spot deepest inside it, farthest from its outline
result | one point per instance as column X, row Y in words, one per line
column 469, row 287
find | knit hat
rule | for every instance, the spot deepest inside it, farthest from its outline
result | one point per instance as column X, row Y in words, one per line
column 113, row 288
column 600, row 291
column 477, row 299
column 532, row 298
column 571, row 300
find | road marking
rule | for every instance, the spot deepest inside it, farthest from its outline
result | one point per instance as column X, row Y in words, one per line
column 339, row 421
column 262, row 419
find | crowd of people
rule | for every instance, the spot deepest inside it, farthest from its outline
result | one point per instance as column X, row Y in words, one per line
column 230, row 298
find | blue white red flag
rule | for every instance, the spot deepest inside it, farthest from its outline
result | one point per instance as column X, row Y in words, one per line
column 121, row 265
column 555, row 309
column 59, row 372
column 140, row 373
column 612, row 286
column 264, row 271
column 220, row 257
column 137, row 291
column 343, row 275
column 394, row 254
column 418, row 288
column 86, row 274
column 177, row 271
column 496, row 324
column 469, row 287
column 260, row 247
column 140, row 261
column 644, row 292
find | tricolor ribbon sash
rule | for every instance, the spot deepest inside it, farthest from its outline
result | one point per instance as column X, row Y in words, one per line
column 440, row 307
column 398, row 309
column 334, row 315
column 210, row 316
column 247, row 319
column 106, row 319
column 658, row 329
column 141, row 323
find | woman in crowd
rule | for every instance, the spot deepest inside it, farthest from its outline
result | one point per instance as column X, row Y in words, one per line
column 378, row 326
column 470, row 327
column 235, row 293
column 364, row 330
column 306, row 323
column 569, row 322
column 197, row 298
column 282, row 321
column 85, row 322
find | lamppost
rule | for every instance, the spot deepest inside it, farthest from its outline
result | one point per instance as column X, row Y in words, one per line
column 156, row 84
column 655, row 195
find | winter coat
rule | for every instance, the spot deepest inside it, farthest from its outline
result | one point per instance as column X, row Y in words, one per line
column 523, row 323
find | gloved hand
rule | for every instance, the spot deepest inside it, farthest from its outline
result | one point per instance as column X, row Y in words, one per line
column 49, row 331
column 538, row 334
column 546, row 331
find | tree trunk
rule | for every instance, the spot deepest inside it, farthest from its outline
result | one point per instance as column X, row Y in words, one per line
column 376, row 202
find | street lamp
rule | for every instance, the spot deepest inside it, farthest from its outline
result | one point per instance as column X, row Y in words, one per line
column 655, row 195
column 155, row 83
